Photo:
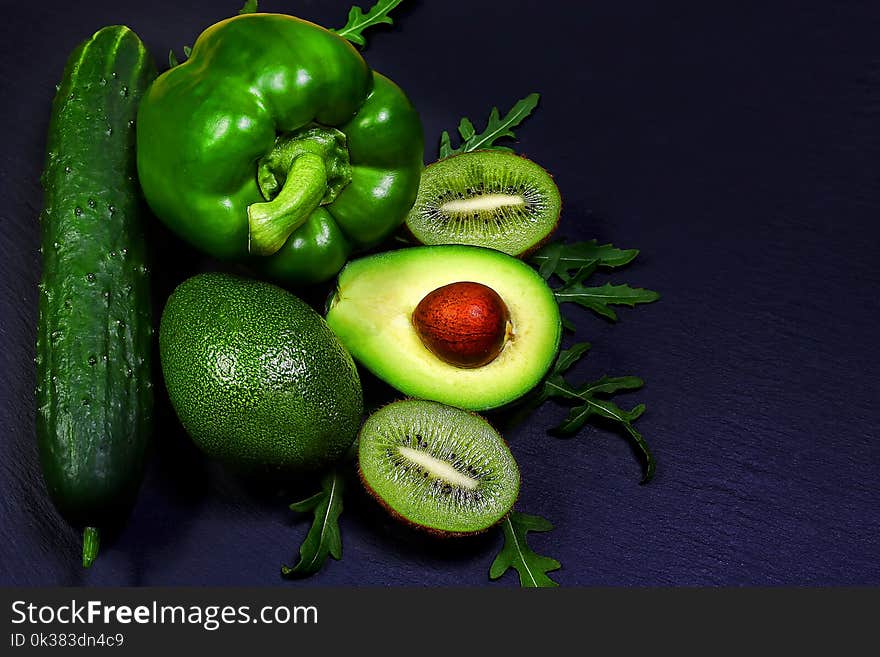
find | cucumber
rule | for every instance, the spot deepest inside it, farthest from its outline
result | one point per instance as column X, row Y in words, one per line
column 94, row 333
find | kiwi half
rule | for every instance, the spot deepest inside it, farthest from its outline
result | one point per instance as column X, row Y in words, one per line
column 437, row 468
column 486, row 198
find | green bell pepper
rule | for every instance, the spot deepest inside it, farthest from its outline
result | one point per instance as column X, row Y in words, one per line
column 276, row 145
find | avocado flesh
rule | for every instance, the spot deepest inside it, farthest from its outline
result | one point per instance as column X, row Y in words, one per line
column 372, row 308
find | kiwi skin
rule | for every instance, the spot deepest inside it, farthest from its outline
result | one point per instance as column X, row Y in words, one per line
column 408, row 235
column 432, row 531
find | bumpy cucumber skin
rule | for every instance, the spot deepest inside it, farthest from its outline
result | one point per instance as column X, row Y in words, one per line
column 94, row 395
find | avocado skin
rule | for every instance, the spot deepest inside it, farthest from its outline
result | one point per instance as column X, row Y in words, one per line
column 256, row 376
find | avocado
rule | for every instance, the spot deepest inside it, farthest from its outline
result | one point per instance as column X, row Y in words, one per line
column 420, row 319
column 256, row 376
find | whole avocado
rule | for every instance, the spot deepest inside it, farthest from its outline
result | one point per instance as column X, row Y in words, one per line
column 256, row 376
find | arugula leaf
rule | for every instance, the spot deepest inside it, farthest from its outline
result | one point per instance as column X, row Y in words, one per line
column 587, row 405
column 324, row 538
column 572, row 264
column 496, row 128
column 561, row 259
column 250, row 7
column 568, row 357
column 598, row 299
column 564, row 361
column 172, row 58
column 517, row 554
column 445, row 145
column 358, row 21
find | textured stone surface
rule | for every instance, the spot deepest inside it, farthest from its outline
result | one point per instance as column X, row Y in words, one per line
column 737, row 147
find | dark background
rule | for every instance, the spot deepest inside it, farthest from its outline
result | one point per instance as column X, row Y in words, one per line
column 736, row 144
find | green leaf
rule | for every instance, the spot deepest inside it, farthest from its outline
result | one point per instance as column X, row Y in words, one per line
column 573, row 264
column 250, row 7
column 548, row 259
column 358, row 21
column 172, row 58
column 466, row 128
column 517, row 554
column 445, row 145
column 496, row 128
column 610, row 385
column 586, row 405
column 323, row 538
column 579, row 415
column 564, row 361
column 581, row 274
column 561, row 259
column 569, row 357
column 599, row 299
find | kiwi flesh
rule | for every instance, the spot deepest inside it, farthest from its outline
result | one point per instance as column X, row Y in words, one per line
column 437, row 468
column 493, row 199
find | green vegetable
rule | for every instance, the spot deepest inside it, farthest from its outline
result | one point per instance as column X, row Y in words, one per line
column 288, row 159
column 94, row 396
column 358, row 21
column 517, row 554
column 566, row 260
column 324, row 538
column 598, row 299
column 496, row 128
column 255, row 375
column 587, row 401
column 249, row 7
column 172, row 58
column 574, row 263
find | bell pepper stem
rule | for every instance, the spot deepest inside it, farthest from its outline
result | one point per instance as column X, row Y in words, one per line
column 272, row 222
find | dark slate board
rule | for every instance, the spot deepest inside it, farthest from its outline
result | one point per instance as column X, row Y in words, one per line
column 736, row 144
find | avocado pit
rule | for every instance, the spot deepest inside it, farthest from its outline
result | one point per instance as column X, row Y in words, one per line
column 465, row 324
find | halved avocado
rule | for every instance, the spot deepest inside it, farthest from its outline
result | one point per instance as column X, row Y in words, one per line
column 372, row 313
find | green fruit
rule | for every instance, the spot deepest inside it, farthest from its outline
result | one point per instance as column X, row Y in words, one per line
column 438, row 468
column 94, row 395
column 256, row 376
column 377, row 313
column 486, row 198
